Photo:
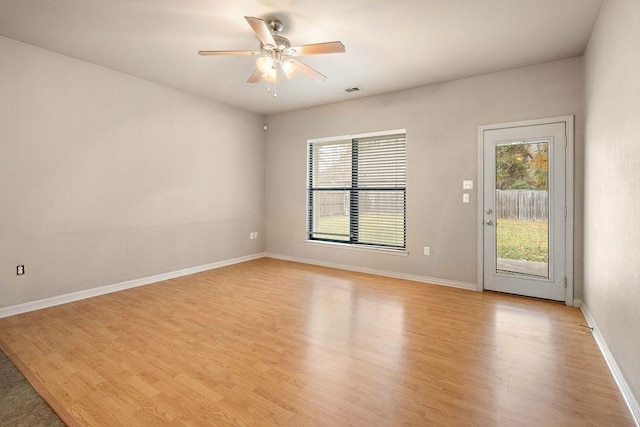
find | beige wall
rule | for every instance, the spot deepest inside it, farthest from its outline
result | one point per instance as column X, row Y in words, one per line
column 612, row 203
column 105, row 177
column 442, row 132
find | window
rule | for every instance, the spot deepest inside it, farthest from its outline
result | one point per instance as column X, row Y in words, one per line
column 357, row 190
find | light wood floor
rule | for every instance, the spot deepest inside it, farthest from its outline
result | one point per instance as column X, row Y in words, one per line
column 274, row 342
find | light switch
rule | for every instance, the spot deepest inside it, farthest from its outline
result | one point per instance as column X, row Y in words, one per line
column 467, row 185
column 465, row 198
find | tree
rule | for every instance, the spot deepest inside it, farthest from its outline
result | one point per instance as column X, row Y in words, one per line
column 540, row 168
column 522, row 166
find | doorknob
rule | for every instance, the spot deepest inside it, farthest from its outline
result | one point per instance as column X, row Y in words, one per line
column 489, row 211
column 488, row 222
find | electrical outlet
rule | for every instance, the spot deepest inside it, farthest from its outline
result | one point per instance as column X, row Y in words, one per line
column 426, row 250
column 465, row 198
column 20, row 270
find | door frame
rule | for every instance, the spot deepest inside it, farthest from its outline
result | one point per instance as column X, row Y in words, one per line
column 568, row 252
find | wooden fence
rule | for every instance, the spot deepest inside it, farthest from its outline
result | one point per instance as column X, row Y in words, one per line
column 524, row 205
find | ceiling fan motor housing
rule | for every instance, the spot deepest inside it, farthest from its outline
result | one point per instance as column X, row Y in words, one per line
column 282, row 44
column 283, row 47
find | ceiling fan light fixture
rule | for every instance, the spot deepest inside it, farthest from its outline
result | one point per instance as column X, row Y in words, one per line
column 270, row 75
column 264, row 64
column 287, row 67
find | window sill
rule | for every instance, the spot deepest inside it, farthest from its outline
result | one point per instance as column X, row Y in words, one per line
column 349, row 247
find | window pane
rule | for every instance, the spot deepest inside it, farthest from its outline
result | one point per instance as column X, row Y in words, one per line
column 522, row 209
column 382, row 163
column 331, row 165
column 331, row 215
column 381, row 217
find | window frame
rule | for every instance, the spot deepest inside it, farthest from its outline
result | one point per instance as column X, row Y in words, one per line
column 353, row 220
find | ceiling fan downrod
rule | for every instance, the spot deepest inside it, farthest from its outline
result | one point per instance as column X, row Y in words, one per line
column 275, row 25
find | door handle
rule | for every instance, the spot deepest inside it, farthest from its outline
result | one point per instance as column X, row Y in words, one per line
column 488, row 222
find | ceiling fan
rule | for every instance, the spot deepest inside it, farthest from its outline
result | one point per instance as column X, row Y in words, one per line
column 276, row 53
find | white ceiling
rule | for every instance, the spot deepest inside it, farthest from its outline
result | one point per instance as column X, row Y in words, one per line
column 390, row 45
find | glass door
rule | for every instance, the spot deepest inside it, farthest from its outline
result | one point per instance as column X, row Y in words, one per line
column 524, row 193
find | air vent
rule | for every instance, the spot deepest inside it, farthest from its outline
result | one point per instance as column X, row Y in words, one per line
column 353, row 89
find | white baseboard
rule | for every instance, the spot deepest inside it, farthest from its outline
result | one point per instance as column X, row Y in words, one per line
column 629, row 398
column 89, row 293
column 413, row 277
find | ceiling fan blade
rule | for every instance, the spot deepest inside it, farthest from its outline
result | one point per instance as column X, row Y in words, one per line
column 255, row 77
column 226, row 52
column 318, row 48
column 307, row 71
column 262, row 31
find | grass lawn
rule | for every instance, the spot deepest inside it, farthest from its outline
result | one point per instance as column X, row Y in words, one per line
column 521, row 240
column 369, row 233
column 525, row 240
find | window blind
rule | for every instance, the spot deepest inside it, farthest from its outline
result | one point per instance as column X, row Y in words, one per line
column 357, row 191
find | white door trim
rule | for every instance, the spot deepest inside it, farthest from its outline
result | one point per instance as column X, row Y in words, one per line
column 569, row 123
